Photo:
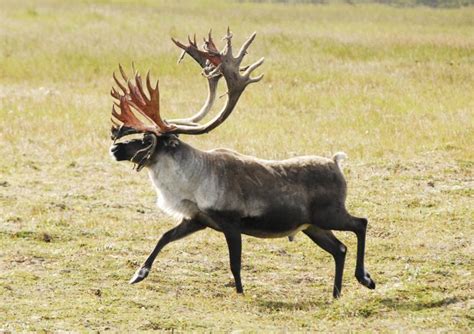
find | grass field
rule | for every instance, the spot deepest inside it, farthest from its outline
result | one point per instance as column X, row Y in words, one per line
column 392, row 87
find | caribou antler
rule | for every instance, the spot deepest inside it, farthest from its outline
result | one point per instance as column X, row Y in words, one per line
column 215, row 64
column 134, row 97
column 208, row 66
column 228, row 66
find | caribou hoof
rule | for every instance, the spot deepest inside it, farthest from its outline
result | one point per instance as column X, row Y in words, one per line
column 365, row 280
column 140, row 275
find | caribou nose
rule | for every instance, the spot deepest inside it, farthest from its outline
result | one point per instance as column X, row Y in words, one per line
column 114, row 148
column 114, row 151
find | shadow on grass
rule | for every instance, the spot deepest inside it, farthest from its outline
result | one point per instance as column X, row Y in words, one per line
column 417, row 305
column 272, row 305
column 367, row 309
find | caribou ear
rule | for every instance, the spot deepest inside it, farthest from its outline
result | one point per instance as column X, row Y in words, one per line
column 171, row 141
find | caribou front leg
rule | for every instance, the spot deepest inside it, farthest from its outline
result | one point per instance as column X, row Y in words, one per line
column 185, row 228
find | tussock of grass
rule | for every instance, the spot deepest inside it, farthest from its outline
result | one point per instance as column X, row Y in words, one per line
column 391, row 87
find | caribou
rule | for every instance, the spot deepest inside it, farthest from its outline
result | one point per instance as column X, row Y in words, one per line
column 224, row 190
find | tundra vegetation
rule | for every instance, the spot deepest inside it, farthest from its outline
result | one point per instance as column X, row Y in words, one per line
column 391, row 87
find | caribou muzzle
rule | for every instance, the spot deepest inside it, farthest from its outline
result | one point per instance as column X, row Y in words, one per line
column 138, row 151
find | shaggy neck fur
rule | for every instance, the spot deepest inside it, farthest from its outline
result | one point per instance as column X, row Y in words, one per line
column 176, row 172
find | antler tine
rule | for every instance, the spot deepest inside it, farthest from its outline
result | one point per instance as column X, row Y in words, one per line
column 243, row 49
column 181, row 57
column 114, row 93
column 251, row 68
column 136, row 96
column 209, row 45
column 182, row 46
column 124, row 76
column 228, row 38
column 117, row 81
column 134, row 70
column 178, row 44
column 153, row 92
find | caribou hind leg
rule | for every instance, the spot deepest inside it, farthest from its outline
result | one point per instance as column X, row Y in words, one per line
column 338, row 219
column 234, row 243
column 230, row 225
column 185, row 228
column 360, row 228
column 328, row 241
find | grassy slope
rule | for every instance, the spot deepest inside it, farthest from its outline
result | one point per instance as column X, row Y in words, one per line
column 391, row 87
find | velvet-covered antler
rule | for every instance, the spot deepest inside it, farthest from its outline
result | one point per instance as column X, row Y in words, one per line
column 134, row 97
column 215, row 65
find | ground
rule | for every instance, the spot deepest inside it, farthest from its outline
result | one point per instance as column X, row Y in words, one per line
column 391, row 87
